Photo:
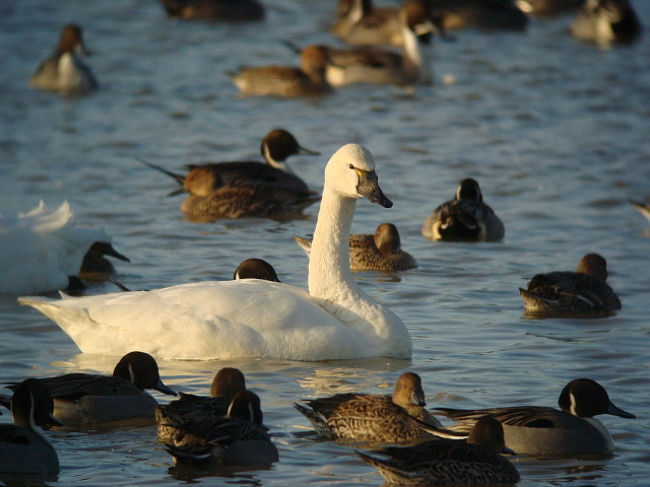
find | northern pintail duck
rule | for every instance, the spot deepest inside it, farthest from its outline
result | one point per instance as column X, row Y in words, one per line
column 545, row 431
column 549, row 8
column 465, row 218
column 644, row 208
column 64, row 71
column 286, row 81
column 215, row 10
column 238, row 438
column 95, row 266
column 479, row 14
column 255, row 269
column 448, row 462
column 360, row 23
column 42, row 248
column 379, row 252
column 336, row 319
column 369, row 64
column 607, row 22
column 24, row 449
column 395, row 418
column 583, row 292
column 89, row 401
column 227, row 383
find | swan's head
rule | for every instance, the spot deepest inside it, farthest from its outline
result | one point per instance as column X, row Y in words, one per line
column 351, row 173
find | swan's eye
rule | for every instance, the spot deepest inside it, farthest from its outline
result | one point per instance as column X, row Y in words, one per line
column 351, row 166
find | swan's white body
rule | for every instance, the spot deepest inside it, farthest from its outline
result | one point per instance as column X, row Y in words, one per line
column 252, row 318
column 41, row 248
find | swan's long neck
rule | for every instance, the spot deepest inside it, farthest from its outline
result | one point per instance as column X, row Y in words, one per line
column 329, row 265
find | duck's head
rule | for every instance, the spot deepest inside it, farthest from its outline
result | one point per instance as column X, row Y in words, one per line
column 468, row 189
column 32, row 405
column 71, row 40
column 593, row 265
column 227, row 383
column 587, row 398
column 256, row 269
column 279, row 145
column 488, row 432
column 246, row 405
column 416, row 16
column 142, row 370
column 408, row 390
column 387, row 239
column 351, row 173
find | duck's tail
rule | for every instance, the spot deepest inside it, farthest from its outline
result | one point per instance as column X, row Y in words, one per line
column 179, row 178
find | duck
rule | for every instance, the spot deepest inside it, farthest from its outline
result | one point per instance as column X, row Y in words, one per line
column 360, row 23
column 371, row 64
column 93, row 401
column 644, row 208
column 252, row 317
column 584, row 292
column 287, row 81
column 396, row 418
column 607, row 22
column 379, row 252
column 487, row 15
column 448, row 462
column 42, row 248
column 465, row 218
column 227, row 383
column 24, row 449
column 215, row 10
column 238, row 438
column 543, row 431
column 64, row 71
column 254, row 268
column 549, row 8
column 95, row 266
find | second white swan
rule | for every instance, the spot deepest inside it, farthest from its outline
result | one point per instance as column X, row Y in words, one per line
column 254, row 318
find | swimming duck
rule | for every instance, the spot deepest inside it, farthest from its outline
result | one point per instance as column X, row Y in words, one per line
column 644, row 208
column 238, row 438
column 549, row 8
column 88, row 401
column 94, row 266
column 64, row 71
column 379, row 252
column 251, row 317
column 583, row 292
column 24, row 449
column 372, row 417
column 368, row 64
column 465, row 218
column 215, row 10
column 545, row 431
column 286, row 81
column 479, row 14
column 40, row 249
column 360, row 23
column 255, row 269
column 607, row 22
column 227, row 383
column 448, row 462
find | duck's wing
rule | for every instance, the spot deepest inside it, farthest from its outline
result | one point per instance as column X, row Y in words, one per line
column 17, row 435
column 530, row 416
column 459, row 219
column 192, row 408
column 72, row 387
column 253, row 173
column 362, row 241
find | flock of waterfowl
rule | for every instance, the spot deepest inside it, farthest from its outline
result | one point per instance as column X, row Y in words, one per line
column 256, row 315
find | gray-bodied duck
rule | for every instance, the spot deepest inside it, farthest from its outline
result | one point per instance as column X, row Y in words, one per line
column 238, row 438
column 486, row 15
column 215, row 10
column 227, row 383
column 379, row 252
column 548, row 432
column 94, row 401
column 584, row 292
column 396, row 418
column 24, row 449
column 448, row 462
column 465, row 218
column 64, row 71
column 607, row 22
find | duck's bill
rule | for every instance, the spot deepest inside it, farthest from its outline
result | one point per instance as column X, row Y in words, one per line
column 52, row 421
column 307, row 152
column 508, row 451
column 164, row 389
column 114, row 253
column 368, row 187
column 619, row 412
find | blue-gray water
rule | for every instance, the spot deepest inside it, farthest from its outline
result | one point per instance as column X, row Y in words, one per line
column 556, row 132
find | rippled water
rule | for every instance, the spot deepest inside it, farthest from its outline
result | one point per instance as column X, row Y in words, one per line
column 555, row 131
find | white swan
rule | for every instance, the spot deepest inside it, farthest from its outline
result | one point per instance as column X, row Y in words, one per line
column 41, row 248
column 254, row 318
